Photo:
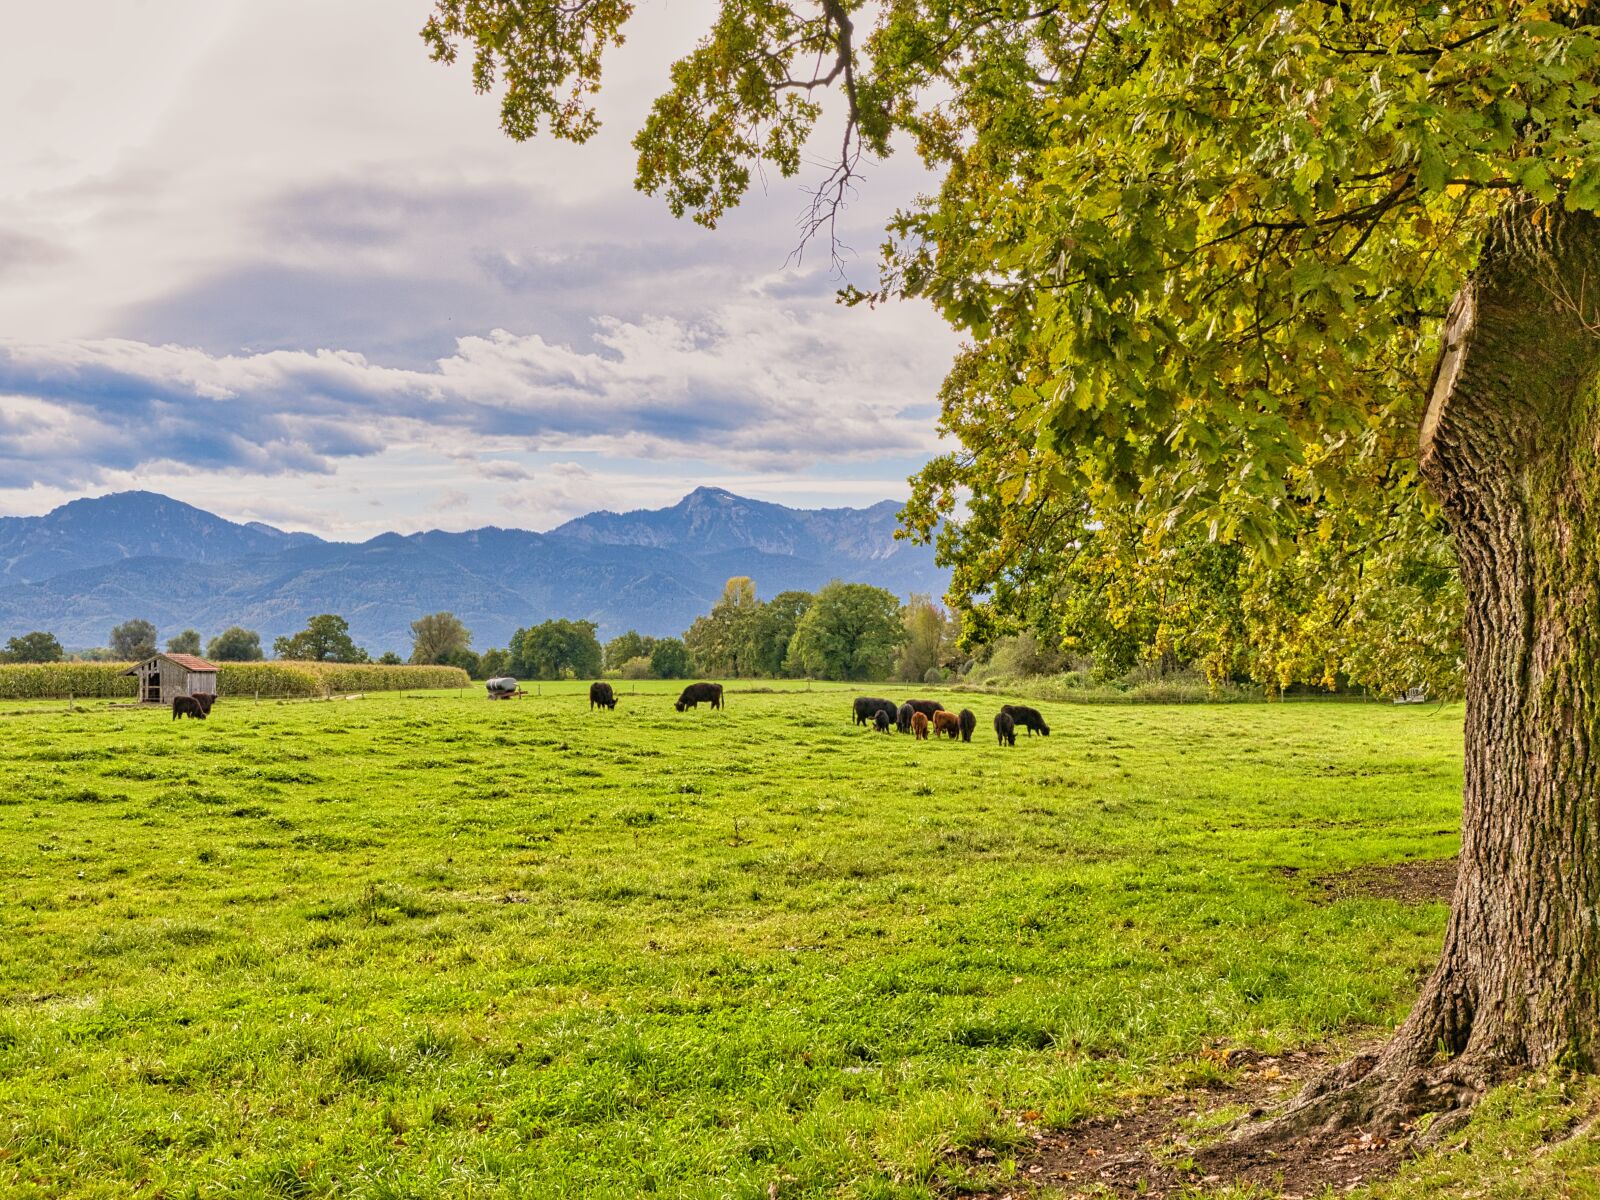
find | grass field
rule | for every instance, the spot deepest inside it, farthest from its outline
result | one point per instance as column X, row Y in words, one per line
column 436, row 946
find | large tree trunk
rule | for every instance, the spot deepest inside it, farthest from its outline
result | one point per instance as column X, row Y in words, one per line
column 1511, row 448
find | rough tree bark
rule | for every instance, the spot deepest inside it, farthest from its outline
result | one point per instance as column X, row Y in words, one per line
column 1510, row 446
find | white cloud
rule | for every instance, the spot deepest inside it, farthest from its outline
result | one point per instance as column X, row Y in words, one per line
column 752, row 384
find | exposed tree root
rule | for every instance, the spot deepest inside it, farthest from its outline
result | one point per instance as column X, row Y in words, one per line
column 1403, row 1090
column 1154, row 1151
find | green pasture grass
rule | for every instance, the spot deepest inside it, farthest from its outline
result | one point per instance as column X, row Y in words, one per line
column 433, row 945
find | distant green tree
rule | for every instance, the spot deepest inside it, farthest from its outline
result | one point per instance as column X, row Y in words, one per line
column 635, row 668
column 724, row 641
column 390, row 659
column 437, row 637
column 234, row 644
column 669, row 659
column 187, row 642
column 851, row 631
column 469, row 662
column 495, row 663
column 133, row 640
column 627, row 646
column 35, row 647
column 772, row 629
column 928, row 640
column 555, row 649
column 326, row 638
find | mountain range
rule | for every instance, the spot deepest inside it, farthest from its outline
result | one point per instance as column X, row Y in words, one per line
column 90, row 564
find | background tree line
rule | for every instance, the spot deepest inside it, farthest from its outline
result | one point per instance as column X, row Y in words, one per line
column 1103, row 601
column 843, row 631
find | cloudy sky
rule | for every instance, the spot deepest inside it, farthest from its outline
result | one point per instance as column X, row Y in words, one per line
column 272, row 260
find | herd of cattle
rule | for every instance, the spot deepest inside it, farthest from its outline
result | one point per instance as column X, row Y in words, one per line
column 920, row 718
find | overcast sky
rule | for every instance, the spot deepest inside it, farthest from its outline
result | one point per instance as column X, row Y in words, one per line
column 270, row 259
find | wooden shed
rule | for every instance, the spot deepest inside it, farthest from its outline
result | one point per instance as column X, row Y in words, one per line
column 167, row 676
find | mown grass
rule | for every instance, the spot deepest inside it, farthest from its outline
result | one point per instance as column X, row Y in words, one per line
column 438, row 946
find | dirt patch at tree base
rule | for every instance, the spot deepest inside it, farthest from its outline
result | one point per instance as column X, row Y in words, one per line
column 1419, row 881
column 1167, row 1148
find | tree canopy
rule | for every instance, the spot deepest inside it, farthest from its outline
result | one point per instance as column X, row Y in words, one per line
column 133, row 640
column 187, row 642
column 669, row 659
column 35, row 647
column 927, row 640
column 555, row 649
column 234, row 644
column 625, row 647
column 439, row 638
column 326, row 638
column 850, row 631
column 744, row 635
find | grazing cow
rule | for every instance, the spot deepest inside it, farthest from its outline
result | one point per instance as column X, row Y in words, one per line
column 601, row 694
column 1005, row 728
column 926, row 707
column 696, row 692
column 969, row 722
column 946, row 723
column 902, row 717
column 880, row 720
column 188, row 706
column 865, row 706
column 1027, row 718
column 919, row 727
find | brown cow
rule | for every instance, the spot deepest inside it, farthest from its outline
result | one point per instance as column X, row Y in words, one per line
column 946, row 723
column 188, row 706
column 919, row 726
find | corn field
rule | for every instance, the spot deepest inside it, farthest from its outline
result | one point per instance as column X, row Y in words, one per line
column 93, row 681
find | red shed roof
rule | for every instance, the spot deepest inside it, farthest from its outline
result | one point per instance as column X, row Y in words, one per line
column 187, row 661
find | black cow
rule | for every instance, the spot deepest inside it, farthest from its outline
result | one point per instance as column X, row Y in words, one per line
column 902, row 718
column 207, row 699
column 880, row 720
column 926, row 707
column 865, row 706
column 601, row 694
column 696, row 692
column 1006, row 728
column 1027, row 718
column 188, row 706
column 969, row 722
